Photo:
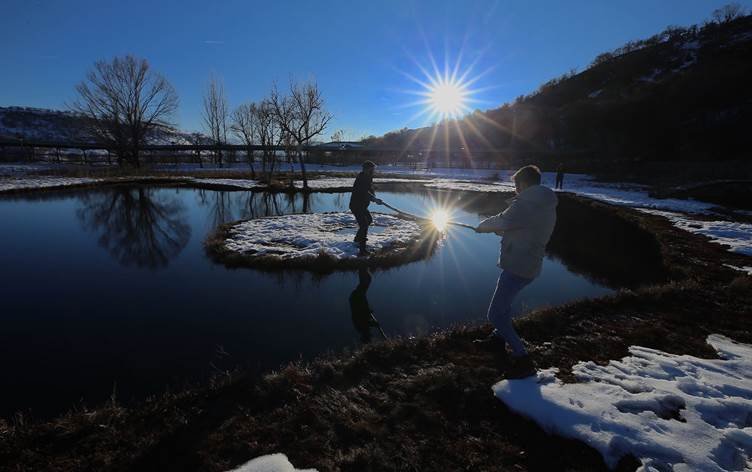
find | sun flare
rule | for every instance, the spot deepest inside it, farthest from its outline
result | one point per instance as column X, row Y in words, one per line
column 445, row 94
column 440, row 219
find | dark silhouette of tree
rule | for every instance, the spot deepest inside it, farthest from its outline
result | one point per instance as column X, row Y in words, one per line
column 137, row 226
column 302, row 115
column 728, row 13
column 245, row 126
column 215, row 115
column 125, row 102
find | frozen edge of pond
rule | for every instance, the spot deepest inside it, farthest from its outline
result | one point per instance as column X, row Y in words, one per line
column 321, row 242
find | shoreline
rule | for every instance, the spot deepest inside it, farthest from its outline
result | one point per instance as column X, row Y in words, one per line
column 424, row 402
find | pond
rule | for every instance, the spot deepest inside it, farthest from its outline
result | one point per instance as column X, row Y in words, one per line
column 110, row 290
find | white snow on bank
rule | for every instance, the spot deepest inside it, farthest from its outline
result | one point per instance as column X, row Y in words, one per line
column 28, row 183
column 241, row 184
column 734, row 234
column 19, row 169
column 747, row 270
column 471, row 186
column 631, row 195
column 270, row 463
column 346, row 183
column 302, row 236
column 620, row 408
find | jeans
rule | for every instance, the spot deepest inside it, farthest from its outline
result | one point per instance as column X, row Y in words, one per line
column 500, row 310
column 364, row 219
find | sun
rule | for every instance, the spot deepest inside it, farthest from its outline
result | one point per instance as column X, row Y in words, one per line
column 444, row 94
column 447, row 98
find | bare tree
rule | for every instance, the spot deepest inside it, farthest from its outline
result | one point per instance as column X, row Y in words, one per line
column 197, row 139
column 269, row 135
column 302, row 115
column 214, row 115
column 728, row 13
column 125, row 102
column 338, row 136
column 245, row 126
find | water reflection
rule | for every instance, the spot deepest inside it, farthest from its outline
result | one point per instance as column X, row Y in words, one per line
column 137, row 226
column 362, row 316
column 228, row 206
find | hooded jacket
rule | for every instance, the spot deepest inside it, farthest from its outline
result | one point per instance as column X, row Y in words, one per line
column 525, row 226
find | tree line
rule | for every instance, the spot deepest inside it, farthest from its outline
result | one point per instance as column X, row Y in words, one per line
column 125, row 103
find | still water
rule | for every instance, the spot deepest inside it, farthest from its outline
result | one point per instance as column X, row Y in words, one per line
column 111, row 290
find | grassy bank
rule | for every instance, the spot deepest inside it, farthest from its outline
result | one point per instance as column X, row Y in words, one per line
column 425, row 403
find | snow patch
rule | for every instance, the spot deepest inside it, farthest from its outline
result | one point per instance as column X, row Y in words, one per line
column 303, row 236
column 672, row 412
column 28, row 183
column 346, row 183
column 595, row 93
column 471, row 186
column 270, row 463
column 746, row 269
column 634, row 196
column 734, row 234
column 242, row 184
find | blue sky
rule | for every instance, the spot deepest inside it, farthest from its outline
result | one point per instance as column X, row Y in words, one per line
column 360, row 52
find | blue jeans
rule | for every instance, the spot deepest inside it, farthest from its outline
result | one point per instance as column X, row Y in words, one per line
column 500, row 310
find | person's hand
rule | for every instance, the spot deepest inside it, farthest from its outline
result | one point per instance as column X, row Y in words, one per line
column 378, row 201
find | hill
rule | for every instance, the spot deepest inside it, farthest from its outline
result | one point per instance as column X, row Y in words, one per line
column 682, row 94
column 43, row 125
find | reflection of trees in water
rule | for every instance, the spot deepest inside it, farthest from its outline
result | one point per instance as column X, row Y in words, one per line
column 228, row 206
column 137, row 226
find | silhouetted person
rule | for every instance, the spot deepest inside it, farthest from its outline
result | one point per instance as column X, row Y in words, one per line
column 525, row 226
column 362, row 316
column 362, row 195
column 560, row 176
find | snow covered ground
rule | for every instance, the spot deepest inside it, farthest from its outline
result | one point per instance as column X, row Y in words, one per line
column 304, row 236
column 240, row 184
column 270, row 463
column 444, row 184
column 672, row 412
column 347, row 182
column 734, row 234
column 19, row 169
column 7, row 185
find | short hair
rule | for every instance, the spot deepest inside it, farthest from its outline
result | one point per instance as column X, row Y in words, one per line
column 368, row 165
column 530, row 175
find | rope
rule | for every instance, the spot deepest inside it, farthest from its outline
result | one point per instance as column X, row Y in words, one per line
column 410, row 215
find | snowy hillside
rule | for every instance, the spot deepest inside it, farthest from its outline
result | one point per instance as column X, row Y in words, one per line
column 39, row 124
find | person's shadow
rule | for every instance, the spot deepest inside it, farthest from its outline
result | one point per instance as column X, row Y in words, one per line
column 362, row 316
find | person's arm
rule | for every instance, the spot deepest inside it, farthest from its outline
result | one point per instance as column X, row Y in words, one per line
column 509, row 219
column 372, row 195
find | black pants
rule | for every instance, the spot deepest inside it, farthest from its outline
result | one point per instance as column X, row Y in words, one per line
column 559, row 181
column 364, row 219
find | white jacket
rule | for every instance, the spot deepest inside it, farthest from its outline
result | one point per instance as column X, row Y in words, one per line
column 525, row 226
